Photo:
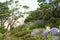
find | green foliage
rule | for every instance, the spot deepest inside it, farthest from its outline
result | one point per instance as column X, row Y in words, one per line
column 34, row 15
column 41, row 0
column 58, row 23
column 49, row 37
column 58, row 37
column 49, row 12
column 26, row 35
column 26, row 7
column 37, row 25
column 52, row 20
column 20, row 34
column 4, row 10
column 20, row 28
column 23, row 33
column 1, row 35
column 2, row 30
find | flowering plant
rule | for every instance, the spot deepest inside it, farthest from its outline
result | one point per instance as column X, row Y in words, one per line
column 34, row 32
column 45, row 32
column 54, row 31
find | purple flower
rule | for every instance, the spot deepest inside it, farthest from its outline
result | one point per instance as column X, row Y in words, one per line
column 54, row 31
column 54, row 38
column 45, row 32
column 34, row 32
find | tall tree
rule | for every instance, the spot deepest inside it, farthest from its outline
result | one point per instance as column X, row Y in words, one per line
column 4, row 12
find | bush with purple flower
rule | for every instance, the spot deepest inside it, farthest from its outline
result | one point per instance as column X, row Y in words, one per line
column 54, row 31
column 45, row 32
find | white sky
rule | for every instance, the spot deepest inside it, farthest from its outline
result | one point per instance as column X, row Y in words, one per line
column 33, row 4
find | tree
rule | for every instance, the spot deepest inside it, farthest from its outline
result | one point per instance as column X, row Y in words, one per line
column 13, row 12
column 9, row 14
column 46, row 12
column 4, row 12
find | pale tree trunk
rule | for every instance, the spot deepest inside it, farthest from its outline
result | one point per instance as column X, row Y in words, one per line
column 8, row 32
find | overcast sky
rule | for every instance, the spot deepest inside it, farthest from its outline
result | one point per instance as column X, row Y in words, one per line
column 33, row 4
